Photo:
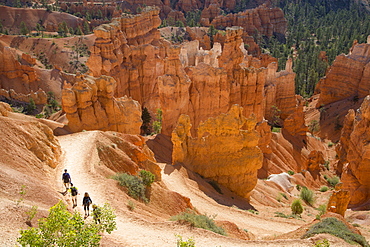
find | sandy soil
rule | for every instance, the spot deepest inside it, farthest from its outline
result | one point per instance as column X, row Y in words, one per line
column 132, row 230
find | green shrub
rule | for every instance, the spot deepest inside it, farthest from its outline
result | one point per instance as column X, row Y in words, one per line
column 253, row 211
column 337, row 228
column 333, row 181
column 276, row 129
column 63, row 228
column 330, row 144
column 31, row 214
column 281, row 215
column 147, row 177
column 322, row 210
column 182, row 243
column 297, row 207
column 290, row 172
column 281, row 196
column 131, row 205
column 307, row 196
column 322, row 243
column 298, row 187
column 201, row 221
column 157, row 124
column 287, row 216
column 134, row 185
column 326, row 164
column 324, row 189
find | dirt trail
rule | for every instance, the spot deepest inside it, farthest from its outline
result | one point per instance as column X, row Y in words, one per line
column 80, row 159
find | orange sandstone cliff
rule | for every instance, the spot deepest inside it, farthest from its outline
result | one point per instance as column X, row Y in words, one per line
column 90, row 105
column 348, row 77
column 218, row 138
column 185, row 79
column 353, row 153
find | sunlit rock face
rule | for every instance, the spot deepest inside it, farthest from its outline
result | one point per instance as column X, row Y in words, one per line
column 225, row 149
column 354, row 153
column 348, row 77
column 90, row 105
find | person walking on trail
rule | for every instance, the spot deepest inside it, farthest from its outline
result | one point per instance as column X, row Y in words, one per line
column 96, row 213
column 74, row 193
column 86, row 201
column 66, row 180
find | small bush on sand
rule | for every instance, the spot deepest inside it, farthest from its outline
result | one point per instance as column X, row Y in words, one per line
column 290, row 172
column 182, row 243
column 201, row 221
column 322, row 243
column 337, row 228
column 134, row 185
column 322, row 210
column 297, row 207
column 147, row 177
column 307, row 196
column 333, row 181
column 131, row 205
column 324, row 189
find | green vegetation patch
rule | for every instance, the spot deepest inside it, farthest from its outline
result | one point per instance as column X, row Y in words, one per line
column 201, row 221
column 333, row 181
column 63, row 228
column 136, row 185
column 337, row 228
column 307, row 196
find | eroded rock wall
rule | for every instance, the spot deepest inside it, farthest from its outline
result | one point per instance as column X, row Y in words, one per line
column 16, row 66
column 33, row 140
column 218, row 138
column 90, row 105
column 185, row 79
column 348, row 77
column 354, row 153
column 265, row 20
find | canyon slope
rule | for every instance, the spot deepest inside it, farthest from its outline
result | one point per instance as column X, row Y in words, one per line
column 235, row 141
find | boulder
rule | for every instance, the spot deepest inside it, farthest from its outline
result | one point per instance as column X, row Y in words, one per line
column 283, row 180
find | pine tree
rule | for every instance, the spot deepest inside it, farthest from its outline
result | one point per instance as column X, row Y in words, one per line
column 86, row 27
column 23, row 28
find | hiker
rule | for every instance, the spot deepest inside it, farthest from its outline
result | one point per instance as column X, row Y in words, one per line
column 86, row 201
column 96, row 213
column 66, row 180
column 74, row 193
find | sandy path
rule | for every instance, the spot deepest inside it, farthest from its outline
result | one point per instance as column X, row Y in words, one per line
column 80, row 158
column 255, row 224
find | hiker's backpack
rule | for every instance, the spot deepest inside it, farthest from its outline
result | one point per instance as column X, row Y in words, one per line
column 66, row 177
column 74, row 191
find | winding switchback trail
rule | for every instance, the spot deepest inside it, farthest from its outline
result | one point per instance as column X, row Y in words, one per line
column 81, row 158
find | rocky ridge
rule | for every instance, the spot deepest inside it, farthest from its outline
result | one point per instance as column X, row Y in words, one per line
column 159, row 74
